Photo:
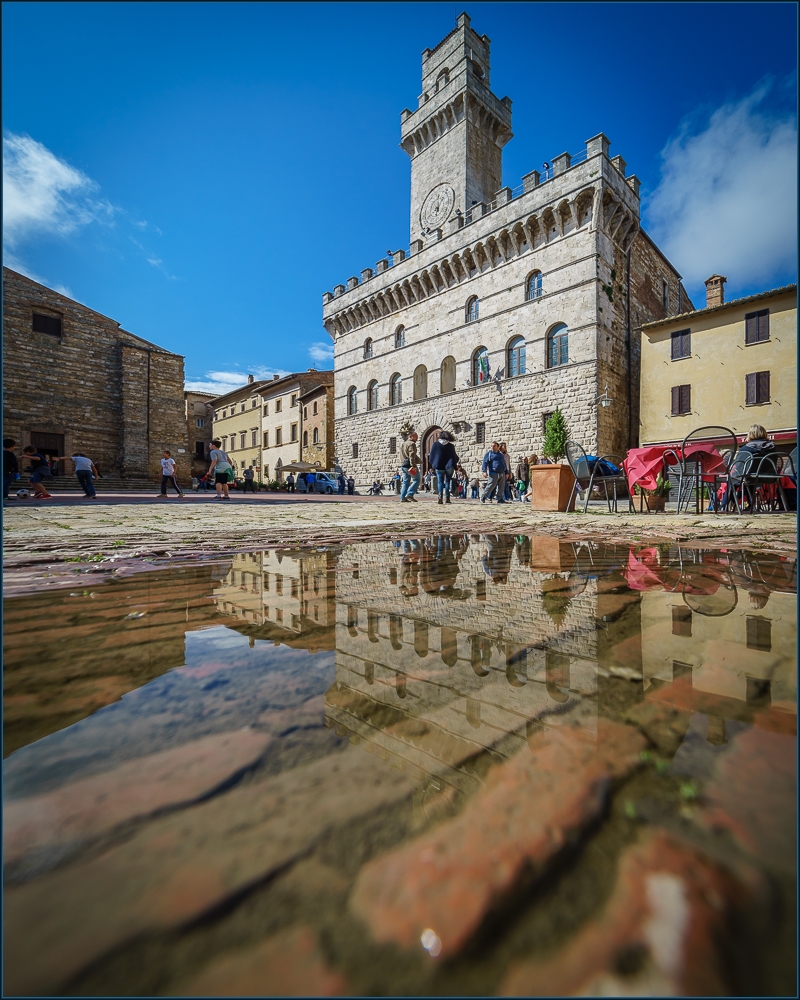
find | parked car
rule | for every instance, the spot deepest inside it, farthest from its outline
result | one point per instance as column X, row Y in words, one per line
column 325, row 483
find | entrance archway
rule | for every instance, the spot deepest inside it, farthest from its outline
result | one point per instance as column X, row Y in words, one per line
column 428, row 439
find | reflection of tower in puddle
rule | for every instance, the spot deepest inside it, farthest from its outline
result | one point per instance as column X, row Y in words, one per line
column 275, row 587
column 447, row 657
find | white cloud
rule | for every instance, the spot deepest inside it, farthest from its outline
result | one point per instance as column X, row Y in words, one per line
column 321, row 352
column 727, row 199
column 222, row 382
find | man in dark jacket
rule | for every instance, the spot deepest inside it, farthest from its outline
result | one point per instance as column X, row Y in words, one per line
column 443, row 460
column 494, row 465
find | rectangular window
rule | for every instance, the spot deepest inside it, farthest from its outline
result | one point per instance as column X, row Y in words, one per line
column 756, row 388
column 200, row 422
column 355, row 449
column 278, row 436
column 51, row 325
column 681, row 672
column 294, row 399
column 199, row 449
column 279, row 583
column 759, row 634
column 253, row 403
column 233, row 443
column 305, row 413
column 682, row 621
column 393, row 446
column 254, row 439
column 278, row 405
column 315, row 409
column 243, row 439
column 480, row 433
column 242, row 407
column 681, row 400
column 266, row 409
column 266, row 439
column 224, row 414
column 756, row 327
column 681, row 344
column 294, row 432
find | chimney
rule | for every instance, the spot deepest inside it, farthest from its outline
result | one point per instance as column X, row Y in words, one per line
column 312, row 369
column 250, row 379
column 715, row 291
column 275, row 378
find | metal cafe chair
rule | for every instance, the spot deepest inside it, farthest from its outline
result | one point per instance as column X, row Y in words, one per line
column 698, row 466
column 760, row 481
column 586, row 477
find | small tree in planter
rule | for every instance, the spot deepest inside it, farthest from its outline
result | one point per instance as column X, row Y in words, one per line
column 406, row 429
column 555, row 436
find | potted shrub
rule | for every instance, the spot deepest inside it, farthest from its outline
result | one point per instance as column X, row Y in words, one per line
column 406, row 429
column 552, row 484
column 657, row 498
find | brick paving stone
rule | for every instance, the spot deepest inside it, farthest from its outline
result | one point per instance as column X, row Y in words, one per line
column 447, row 880
column 660, row 933
column 87, row 809
column 753, row 793
column 181, row 865
column 289, row 964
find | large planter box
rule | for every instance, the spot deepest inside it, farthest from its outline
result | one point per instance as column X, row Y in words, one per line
column 551, row 486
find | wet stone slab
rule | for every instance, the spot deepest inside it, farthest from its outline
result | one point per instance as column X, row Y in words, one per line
column 463, row 763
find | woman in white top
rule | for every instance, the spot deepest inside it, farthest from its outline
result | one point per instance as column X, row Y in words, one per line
column 220, row 467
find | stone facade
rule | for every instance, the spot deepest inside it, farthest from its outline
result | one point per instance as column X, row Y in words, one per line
column 318, row 428
column 74, row 380
column 564, row 248
column 199, row 424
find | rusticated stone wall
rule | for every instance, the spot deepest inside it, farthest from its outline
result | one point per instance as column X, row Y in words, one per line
column 112, row 395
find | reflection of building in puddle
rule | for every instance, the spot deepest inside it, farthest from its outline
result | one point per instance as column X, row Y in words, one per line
column 279, row 595
column 448, row 649
column 720, row 637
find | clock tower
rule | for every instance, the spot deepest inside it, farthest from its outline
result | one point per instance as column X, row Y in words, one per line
column 455, row 138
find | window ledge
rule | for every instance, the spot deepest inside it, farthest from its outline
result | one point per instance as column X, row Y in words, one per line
column 765, row 402
column 757, row 343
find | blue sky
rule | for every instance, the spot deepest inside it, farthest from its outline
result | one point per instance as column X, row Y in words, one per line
column 203, row 172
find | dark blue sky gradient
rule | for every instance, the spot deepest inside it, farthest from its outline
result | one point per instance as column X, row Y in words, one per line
column 262, row 139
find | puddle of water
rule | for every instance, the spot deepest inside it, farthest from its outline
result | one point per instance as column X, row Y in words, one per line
column 188, row 741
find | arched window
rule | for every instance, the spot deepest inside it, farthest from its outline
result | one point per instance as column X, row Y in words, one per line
column 480, row 366
column 396, row 389
column 448, row 374
column 471, row 312
column 442, row 79
column 372, row 395
column 352, row 400
column 368, row 347
column 420, row 382
column 557, row 346
column 516, row 357
column 316, row 435
column 305, row 439
column 400, row 337
column 533, row 286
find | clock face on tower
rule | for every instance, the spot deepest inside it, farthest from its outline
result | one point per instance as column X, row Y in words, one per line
column 437, row 207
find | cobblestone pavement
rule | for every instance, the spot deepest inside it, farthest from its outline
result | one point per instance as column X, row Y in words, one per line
column 43, row 539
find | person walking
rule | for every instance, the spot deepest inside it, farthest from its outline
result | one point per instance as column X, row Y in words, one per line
column 290, row 483
column 523, row 476
column 40, row 469
column 221, row 468
column 494, row 465
column 506, row 486
column 249, row 481
column 474, row 485
column 341, row 484
column 168, row 475
column 443, row 459
column 410, row 468
column 351, row 486
column 85, row 471
column 10, row 465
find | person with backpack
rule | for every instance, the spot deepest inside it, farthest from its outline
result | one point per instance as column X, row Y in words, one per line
column 221, row 468
column 443, row 460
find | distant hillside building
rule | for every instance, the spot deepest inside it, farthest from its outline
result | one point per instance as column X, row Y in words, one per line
column 508, row 303
column 74, row 380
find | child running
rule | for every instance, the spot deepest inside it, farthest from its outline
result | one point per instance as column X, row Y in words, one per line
column 168, row 475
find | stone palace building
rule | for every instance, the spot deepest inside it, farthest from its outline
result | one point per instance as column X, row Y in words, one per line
column 509, row 303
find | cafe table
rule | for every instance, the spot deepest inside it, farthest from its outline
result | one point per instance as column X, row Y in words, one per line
column 643, row 465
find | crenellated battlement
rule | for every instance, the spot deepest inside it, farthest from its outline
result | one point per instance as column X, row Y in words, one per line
column 587, row 188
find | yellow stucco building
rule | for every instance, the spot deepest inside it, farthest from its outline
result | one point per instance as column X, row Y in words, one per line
column 731, row 364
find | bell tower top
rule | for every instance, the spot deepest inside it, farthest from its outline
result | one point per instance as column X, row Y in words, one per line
column 456, row 136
